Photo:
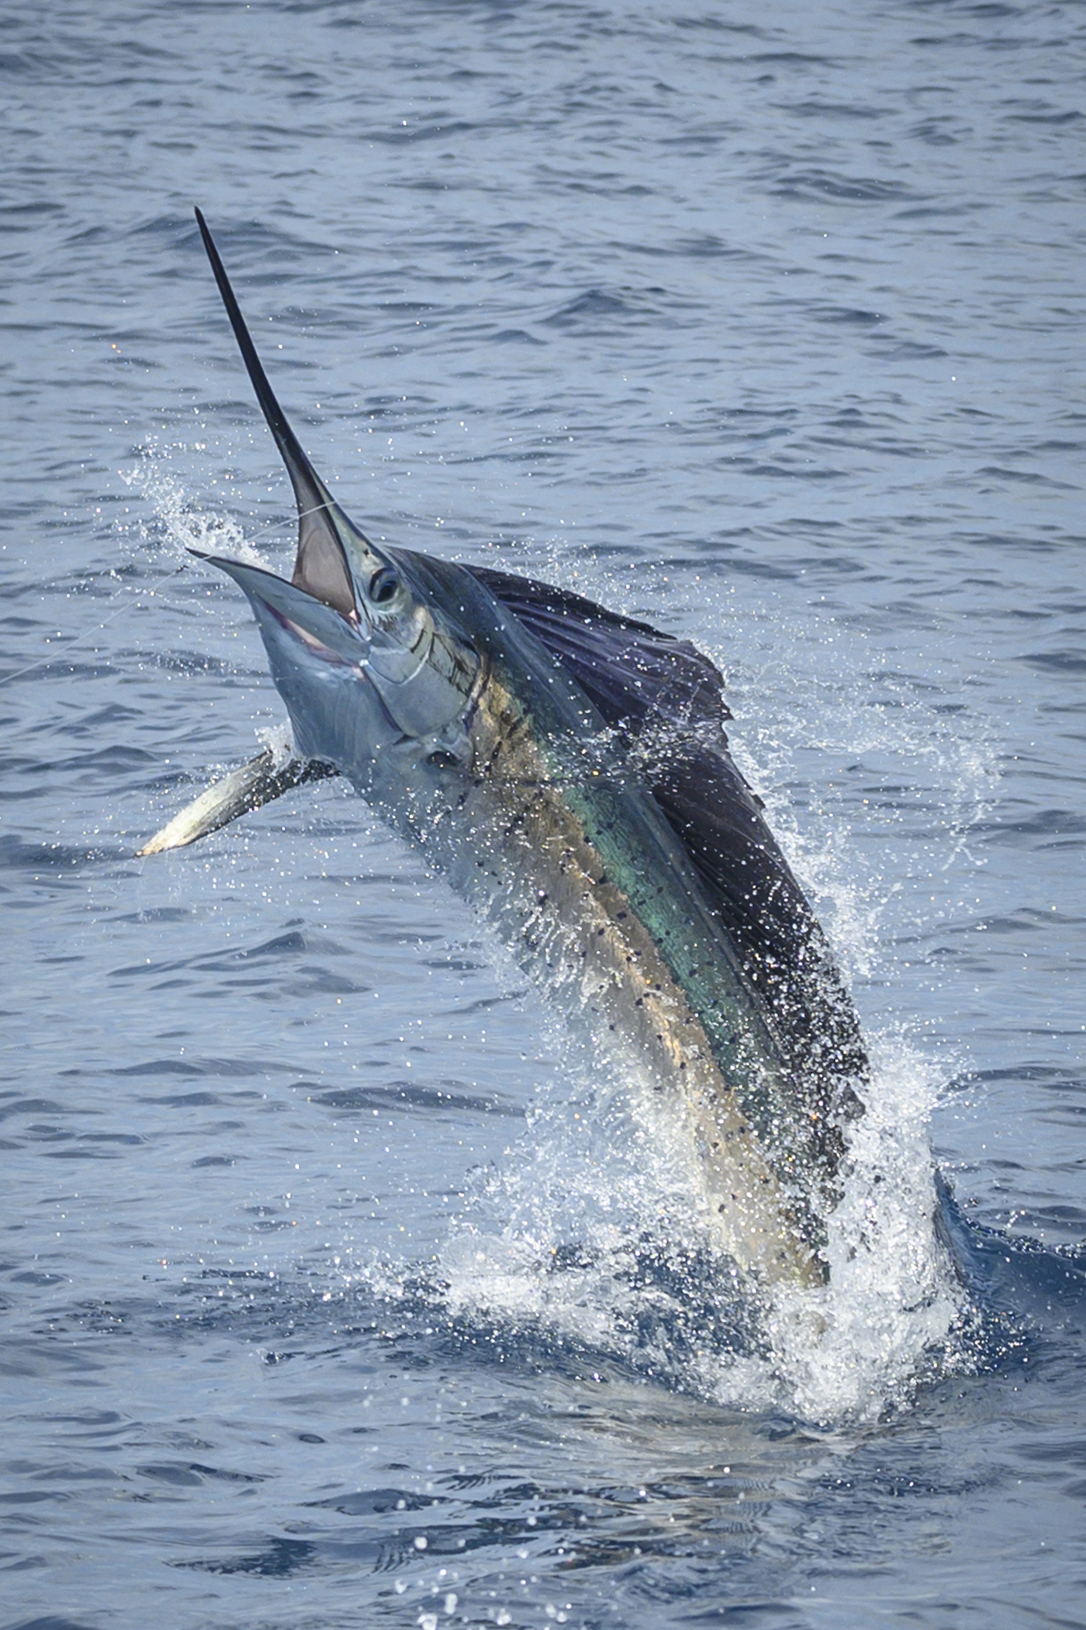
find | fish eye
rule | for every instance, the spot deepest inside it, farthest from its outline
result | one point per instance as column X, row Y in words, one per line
column 383, row 586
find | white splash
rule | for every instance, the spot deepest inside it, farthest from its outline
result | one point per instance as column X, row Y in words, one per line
column 183, row 525
column 588, row 1232
column 588, row 1235
column 892, row 1298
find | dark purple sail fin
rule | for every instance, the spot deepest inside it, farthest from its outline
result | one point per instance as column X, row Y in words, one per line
column 665, row 697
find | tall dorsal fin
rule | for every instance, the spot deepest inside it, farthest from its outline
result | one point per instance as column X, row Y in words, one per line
column 666, row 696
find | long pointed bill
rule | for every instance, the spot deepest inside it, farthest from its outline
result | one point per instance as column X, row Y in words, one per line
column 348, row 605
column 333, row 555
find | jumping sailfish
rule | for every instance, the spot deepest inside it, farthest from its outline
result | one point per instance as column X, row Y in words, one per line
column 567, row 770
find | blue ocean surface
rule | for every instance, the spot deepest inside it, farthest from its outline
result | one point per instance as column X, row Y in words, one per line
column 339, row 1291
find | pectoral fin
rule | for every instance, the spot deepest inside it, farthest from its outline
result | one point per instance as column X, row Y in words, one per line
column 244, row 789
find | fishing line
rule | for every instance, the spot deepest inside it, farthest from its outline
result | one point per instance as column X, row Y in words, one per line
column 285, row 520
column 81, row 639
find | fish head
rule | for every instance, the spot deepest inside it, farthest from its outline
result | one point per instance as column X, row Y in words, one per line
column 363, row 655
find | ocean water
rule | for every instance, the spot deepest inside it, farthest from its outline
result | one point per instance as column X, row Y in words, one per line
column 339, row 1290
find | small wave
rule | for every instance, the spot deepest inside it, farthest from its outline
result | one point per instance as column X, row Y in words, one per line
column 449, row 1098
column 820, row 184
column 17, row 854
column 1069, row 662
column 1037, row 1285
column 596, row 305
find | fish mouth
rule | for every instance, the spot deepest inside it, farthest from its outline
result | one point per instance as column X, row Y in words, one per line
column 310, row 641
column 321, row 568
column 322, row 630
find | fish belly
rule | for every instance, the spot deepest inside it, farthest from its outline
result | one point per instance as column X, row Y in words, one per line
column 507, row 840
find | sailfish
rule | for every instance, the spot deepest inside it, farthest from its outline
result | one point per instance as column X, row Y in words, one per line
column 566, row 768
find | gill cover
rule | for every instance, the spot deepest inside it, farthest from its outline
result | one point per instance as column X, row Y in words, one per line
column 348, row 602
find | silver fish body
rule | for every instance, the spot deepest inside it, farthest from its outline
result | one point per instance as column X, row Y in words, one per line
column 499, row 726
